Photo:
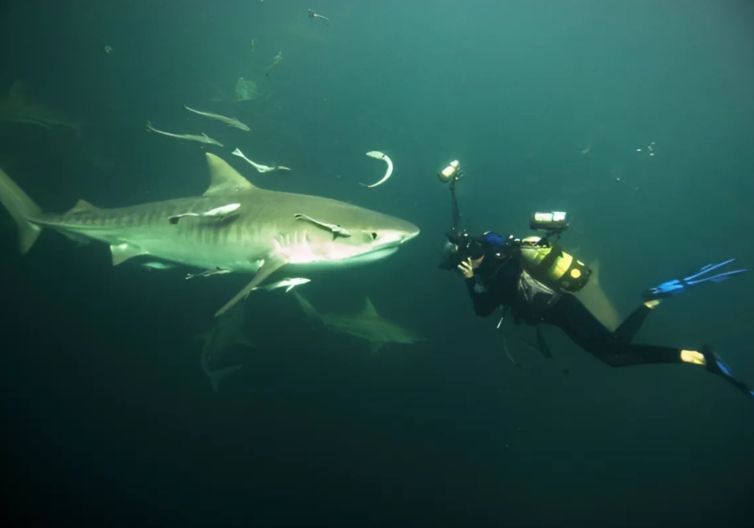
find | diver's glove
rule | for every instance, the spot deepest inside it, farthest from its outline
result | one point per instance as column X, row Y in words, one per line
column 676, row 286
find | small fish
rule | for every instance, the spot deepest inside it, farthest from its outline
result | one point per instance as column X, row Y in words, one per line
column 218, row 213
column 288, row 284
column 335, row 229
column 158, row 265
column 258, row 166
column 230, row 121
column 277, row 59
column 208, row 273
column 317, row 16
column 203, row 138
column 384, row 157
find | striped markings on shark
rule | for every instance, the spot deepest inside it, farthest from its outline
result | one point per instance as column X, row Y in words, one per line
column 367, row 324
column 238, row 228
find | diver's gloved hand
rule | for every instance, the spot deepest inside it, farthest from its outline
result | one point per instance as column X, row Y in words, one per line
column 466, row 268
column 676, row 286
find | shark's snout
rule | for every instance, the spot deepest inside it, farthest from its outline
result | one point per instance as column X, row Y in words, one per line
column 411, row 233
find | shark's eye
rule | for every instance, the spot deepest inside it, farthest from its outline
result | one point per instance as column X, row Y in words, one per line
column 374, row 235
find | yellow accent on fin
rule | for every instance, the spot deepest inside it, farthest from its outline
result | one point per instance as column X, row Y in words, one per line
column 693, row 356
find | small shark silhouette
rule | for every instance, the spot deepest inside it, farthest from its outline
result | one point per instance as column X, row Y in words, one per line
column 367, row 325
column 18, row 107
column 226, row 333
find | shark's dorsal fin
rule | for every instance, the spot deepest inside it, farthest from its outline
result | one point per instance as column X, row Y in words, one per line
column 82, row 206
column 224, row 179
column 369, row 309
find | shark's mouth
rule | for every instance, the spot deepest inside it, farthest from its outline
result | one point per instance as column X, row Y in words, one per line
column 378, row 254
column 363, row 258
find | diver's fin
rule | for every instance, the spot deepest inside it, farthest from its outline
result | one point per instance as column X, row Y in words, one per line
column 267, row 269
column 224, row 179
column 123, row 252
column 716, row 365
column 22, row 209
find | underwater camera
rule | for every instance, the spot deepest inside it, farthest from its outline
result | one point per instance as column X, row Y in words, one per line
column 458, row 247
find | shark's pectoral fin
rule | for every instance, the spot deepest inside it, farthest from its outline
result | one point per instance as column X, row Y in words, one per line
column 125, row 251
column 270, row 266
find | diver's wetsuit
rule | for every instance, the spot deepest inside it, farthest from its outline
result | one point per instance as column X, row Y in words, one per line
column 495, row 283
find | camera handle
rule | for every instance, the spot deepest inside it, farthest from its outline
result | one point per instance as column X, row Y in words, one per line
column 455, row 212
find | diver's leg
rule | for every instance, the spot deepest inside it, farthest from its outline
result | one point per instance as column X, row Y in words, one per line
column 628, row 328
column 586, row 331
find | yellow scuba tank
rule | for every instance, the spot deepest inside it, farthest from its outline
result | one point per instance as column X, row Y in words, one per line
column 553, row 266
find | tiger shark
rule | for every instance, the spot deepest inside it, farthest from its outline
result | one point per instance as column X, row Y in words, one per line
column 366, row 324
column 233, row 227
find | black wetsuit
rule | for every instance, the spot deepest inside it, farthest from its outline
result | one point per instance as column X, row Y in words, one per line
column 496, row 283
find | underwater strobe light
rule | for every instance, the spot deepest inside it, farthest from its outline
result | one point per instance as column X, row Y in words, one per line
column 451, row 172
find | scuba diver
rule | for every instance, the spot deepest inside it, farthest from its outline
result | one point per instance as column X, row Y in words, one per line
column 533, row 279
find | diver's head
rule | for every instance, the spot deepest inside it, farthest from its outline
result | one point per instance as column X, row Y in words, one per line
column 460, row 246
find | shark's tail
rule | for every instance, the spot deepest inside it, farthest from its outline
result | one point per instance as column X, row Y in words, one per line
column 22, row 209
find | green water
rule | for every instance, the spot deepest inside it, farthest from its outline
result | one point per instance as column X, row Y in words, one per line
column 108, row 418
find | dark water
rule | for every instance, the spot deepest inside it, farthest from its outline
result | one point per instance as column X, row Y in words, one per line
column 107, row 416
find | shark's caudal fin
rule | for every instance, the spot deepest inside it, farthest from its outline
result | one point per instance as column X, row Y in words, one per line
column 21, row 208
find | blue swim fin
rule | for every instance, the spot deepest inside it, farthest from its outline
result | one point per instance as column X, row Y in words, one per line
column 676, row 286
column 716, row 365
